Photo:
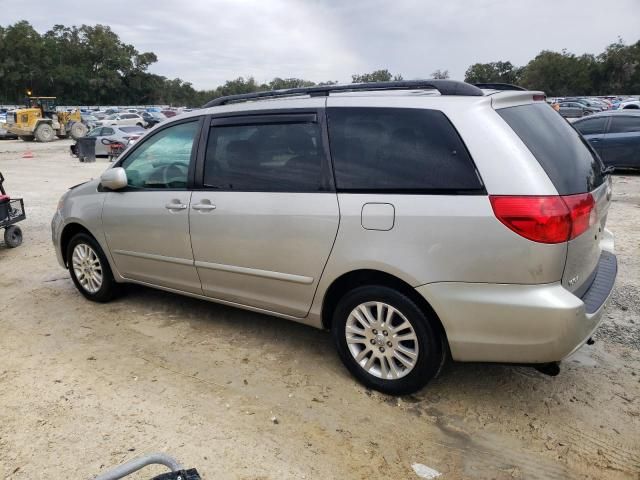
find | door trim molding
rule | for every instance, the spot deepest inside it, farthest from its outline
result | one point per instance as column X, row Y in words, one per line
column 151, row 256
column 286, row 277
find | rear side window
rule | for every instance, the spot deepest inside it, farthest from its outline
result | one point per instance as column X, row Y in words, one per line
column 399, row 150
column 266, row 158
column 625, row 124
column 592, row 126
column 565, row 156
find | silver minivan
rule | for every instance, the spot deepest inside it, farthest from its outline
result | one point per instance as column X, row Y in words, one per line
column 417, row 221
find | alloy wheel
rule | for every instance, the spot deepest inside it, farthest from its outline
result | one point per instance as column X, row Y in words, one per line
column 87, row 267
column 382, row 340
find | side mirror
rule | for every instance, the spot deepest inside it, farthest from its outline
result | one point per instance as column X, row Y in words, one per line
column 114, row 178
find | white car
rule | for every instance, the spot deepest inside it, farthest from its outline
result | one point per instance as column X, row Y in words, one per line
column 630, row 104
column 125, row 135
column 122, row 119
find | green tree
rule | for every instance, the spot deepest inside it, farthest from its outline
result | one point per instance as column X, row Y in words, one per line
column 440, row 74
column 619, row 69
column 375, row 76
column 493, row 72
column 560, row 74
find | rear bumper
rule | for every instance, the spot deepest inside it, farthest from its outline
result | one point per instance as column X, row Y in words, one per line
column 519, row 323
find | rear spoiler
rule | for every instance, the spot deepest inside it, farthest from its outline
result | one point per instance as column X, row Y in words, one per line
column 500, row 86
column 513, row 98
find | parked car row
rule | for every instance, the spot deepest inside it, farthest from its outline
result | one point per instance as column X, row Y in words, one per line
column 576, row 107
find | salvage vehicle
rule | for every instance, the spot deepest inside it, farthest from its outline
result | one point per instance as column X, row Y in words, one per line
column 41, row 121
column 415, row 220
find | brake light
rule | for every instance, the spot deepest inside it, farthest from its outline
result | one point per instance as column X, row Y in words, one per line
column 539, row 98
column 546, row 219
column 583, row 213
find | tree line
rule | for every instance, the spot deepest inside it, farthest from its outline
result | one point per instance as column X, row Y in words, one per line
column 90, row 65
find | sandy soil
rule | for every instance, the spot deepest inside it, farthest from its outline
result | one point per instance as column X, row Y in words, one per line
column 86, row 386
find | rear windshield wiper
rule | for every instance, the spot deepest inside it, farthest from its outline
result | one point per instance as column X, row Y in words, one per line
column 607, row 170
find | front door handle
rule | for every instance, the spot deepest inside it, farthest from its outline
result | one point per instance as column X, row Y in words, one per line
column 175, row 206
column 203, row 206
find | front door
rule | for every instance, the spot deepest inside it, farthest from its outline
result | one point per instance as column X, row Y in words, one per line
column 147, row 223
column 593, row 130
column 264, row 223
column 621, row 144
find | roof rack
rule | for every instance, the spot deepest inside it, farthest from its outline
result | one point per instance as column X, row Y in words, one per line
column 499, row 86
column 445, row 87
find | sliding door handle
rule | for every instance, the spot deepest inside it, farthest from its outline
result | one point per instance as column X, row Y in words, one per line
column 203, row 207
column 175, row 206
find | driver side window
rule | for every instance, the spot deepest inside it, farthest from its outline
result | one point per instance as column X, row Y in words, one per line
column 162, row 161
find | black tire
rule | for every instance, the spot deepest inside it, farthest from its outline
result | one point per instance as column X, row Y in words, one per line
column 108, row 286
column 431, row 351
column 140, row 125
column 45, row 133
column 13, row 236
column 78, row 130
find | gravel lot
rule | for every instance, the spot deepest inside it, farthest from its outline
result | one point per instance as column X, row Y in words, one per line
column 84, row 386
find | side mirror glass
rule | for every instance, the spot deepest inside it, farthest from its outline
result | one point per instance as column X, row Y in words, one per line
column 114, row 179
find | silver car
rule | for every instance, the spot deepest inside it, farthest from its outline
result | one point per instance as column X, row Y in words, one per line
column 416, row 221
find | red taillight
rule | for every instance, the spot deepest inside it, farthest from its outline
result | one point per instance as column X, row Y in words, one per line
column 539, row 98
column 583, row 212
column 545, row 219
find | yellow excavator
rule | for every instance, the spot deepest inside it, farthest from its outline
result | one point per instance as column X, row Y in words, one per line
column 41, row 121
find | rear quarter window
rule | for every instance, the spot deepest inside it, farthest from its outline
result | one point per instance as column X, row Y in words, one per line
column 571, row 164
column 625, row 124
column 399, row 150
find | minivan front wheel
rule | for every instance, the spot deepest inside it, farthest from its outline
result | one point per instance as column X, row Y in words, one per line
column 386, row 341
column 90, row 269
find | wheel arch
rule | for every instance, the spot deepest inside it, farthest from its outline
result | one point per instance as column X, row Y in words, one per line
column 357, row 278
column 68, row 232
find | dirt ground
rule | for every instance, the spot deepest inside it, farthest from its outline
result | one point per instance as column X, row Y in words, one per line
column 85, row 386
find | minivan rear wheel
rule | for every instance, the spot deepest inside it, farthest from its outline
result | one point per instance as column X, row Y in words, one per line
column 386, row 341
column 90, row 269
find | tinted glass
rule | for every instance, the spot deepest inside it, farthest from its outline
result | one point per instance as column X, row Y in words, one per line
column 593, row 126
column 398, row 149
column 162, row 160
column 265, row 158
column 107, row 131
column 625, row 124
column 95, row 132
column 569, row 161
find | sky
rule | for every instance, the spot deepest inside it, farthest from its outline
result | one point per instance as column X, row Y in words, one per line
column 207, row 42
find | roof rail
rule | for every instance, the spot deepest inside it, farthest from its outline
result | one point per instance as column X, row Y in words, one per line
column 499, row 86
column 445, row 87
